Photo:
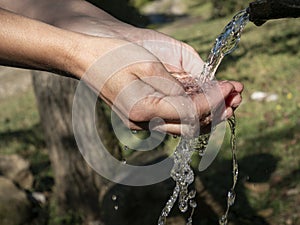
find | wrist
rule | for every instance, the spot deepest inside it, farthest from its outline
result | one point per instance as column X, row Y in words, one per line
column 87, row 50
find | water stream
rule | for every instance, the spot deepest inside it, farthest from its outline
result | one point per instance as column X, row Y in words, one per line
column 182, row 172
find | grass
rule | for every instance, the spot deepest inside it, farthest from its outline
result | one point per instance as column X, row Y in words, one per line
column 20, row 133
column 267, row 59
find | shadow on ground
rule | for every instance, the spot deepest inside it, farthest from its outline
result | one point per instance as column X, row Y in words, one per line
column 143, row 205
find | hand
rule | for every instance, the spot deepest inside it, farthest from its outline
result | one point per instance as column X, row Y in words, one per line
column 139, row 91
column 146, row 90
column 143, row 88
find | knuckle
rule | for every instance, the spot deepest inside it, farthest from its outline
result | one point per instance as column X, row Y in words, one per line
column 137, row 115
column 152, row 68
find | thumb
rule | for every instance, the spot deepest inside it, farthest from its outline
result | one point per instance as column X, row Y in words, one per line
column 211, row 99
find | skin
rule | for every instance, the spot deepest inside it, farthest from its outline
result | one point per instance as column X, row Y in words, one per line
column 74, row 38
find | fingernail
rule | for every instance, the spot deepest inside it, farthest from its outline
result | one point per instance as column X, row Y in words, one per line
column 235, row 105
column 224, row 115
column 224, row 82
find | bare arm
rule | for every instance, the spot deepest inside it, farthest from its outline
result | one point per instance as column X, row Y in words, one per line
column 68, row 13
column 18, row 36
column 32, row 44
column 49, row 11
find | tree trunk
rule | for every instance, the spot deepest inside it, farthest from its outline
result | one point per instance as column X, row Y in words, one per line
column 78, row 189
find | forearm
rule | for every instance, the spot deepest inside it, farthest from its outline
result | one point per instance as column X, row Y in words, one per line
column 68, row 14
column 46, row 10
column 31, row 44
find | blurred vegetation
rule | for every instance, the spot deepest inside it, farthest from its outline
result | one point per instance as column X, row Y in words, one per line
column 222, row 8
column 139, row 3
column 124, row 10
column 21, row 133
column 268, row 133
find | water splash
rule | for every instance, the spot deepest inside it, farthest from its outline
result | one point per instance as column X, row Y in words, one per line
column 182, row 172
column 114, row 198
column 231, row 193
column 225, row 43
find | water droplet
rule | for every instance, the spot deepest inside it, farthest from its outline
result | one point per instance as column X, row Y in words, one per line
column 126, row 148
column 193, row 203
column 231, row 197
column 124, row 161
column 223, row 220
column 201, row 152
column 134, row 131
column 175, row 136
column 114, row 197
column 190, row 222
column 192, row 194
column 162, row 220
column 235, row 172
column 116, row 207
column 183, row 206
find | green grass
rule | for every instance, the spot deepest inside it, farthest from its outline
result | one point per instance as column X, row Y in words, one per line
column 20, row 133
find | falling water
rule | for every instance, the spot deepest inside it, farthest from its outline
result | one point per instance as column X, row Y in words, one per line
column 182, row 173
column 226, row 43
column 231, row 193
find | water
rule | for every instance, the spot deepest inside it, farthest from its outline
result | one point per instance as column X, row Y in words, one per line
column 114, row 198
column 182, row 173
column 231, row 193
column 226, row 43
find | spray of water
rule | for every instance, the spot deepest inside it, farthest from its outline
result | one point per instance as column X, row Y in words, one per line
column 182, row 173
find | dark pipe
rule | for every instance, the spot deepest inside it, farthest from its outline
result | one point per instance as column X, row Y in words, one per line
column 262, row 10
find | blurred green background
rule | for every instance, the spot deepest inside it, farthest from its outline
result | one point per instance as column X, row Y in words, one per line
column 267, row 60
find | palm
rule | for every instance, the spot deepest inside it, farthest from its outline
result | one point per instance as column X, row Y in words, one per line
column 178, row 59
column 176, row 56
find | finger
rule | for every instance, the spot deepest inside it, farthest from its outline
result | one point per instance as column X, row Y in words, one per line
column 215, row 94
column 156, row 124
column 156, row 75
column 188, row 61
column 172, row 125
column 228, row 113
column 136, row 61
column 239, row 87
column 175, row 55
column 175, row 129
column 170, row 108
column 191, row 61
column 150, row 103
column 233, row 100
column 166, row 49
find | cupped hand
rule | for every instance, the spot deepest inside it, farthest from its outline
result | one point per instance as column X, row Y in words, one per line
column 138, row 73
column 140, row 89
